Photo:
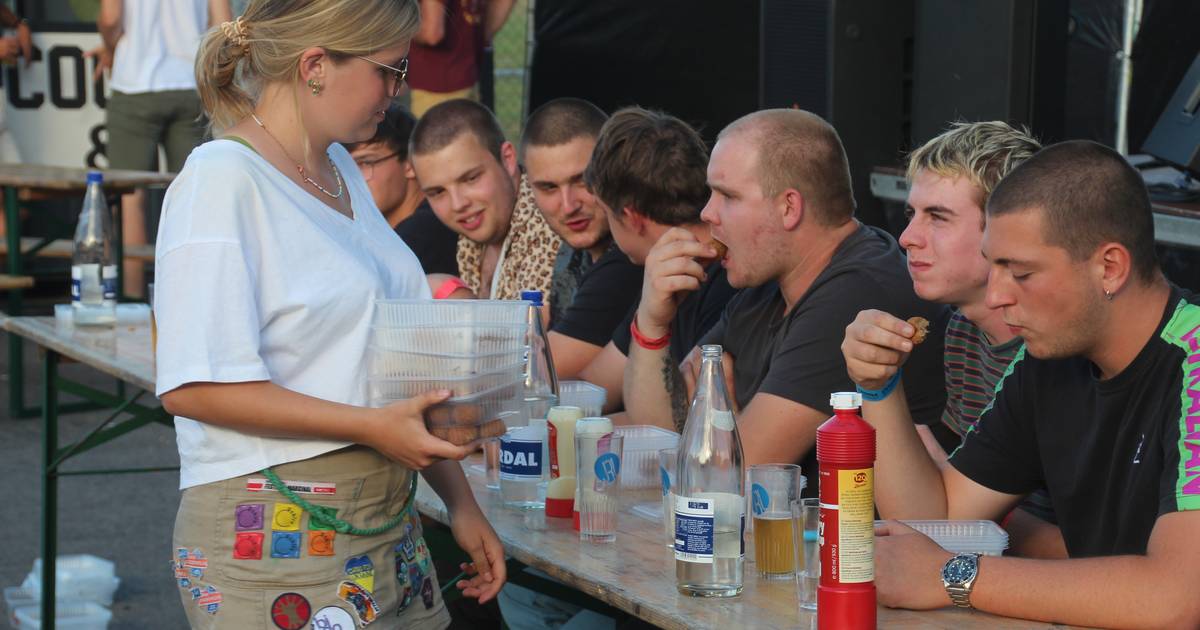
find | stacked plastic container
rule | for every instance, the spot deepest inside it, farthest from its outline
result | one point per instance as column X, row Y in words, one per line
column 474, row 348
column 588, row 397
column 84, row 588
column 639, row 467
column 984, row 537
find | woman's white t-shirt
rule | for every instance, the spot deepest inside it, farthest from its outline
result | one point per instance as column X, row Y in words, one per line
column 157, row 51
column 255, row 279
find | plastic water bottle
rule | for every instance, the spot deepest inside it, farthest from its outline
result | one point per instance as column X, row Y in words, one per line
column 541, row 381
column 524, row 467
column 710, row 493
column 93, row 267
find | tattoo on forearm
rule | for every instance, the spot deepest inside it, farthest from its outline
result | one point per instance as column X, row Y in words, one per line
column 676, row 391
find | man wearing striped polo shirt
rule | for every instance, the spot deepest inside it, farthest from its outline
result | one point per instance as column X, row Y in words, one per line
column 951, row 177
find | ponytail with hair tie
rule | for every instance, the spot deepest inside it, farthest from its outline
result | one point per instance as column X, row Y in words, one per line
column 235, row 32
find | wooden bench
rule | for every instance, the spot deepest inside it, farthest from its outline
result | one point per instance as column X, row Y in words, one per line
column 8, row 282
column 63, row 248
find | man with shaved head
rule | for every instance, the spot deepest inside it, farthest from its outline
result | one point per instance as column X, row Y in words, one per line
column 782, row 204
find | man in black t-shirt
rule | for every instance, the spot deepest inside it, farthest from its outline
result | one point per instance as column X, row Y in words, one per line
column 594, row 283
column 782, row 203
column 1101, row 407
column 647, row 172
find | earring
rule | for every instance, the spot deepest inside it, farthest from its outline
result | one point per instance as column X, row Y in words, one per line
column 315, row 86
column 1108, row 294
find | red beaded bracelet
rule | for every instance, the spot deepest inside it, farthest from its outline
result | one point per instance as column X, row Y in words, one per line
column 646, row 342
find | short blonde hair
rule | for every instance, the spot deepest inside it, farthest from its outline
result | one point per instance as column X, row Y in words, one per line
column 236, row 60
column 983, row 152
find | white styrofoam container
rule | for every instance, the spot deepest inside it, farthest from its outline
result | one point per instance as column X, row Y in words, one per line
column 642, row 444
column 985, row 537
column 80, row 615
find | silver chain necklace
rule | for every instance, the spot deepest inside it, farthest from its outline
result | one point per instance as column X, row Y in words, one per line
column 300, row 168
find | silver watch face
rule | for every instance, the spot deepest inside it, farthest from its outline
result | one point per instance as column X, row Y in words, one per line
column 960, row 569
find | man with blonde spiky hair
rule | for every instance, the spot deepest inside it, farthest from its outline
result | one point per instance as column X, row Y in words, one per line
column 951, row 177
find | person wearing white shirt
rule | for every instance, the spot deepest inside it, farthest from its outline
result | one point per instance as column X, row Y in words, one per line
column 270, row 255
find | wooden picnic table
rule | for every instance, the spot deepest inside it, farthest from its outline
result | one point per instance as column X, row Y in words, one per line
column 24, row 182
column 636, row 574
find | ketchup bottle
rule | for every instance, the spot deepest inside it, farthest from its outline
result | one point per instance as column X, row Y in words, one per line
column 846, row 454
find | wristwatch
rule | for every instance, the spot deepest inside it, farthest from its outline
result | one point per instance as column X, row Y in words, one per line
column 958, row 576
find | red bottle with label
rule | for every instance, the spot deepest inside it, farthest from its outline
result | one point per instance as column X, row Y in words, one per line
column 846, row 454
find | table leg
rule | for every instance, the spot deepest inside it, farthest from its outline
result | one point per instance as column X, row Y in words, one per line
column 16, row 355
column 49, row 485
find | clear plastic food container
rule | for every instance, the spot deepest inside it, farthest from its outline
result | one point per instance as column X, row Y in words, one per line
column 642, row 444
column 403, row 313
column 467, row 419
column 985, row 537
column 457, row 339
column 588, row 397
column 78, row 615
column 398, row 363
column 401, row 387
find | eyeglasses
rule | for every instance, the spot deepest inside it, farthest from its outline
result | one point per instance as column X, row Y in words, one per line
column 367, row 167
column 397, row 75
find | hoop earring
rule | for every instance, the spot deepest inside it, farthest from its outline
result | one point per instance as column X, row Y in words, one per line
column 1108, row 294
column 315, row 86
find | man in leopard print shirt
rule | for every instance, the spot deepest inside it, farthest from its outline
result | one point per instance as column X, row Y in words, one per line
column 470, row 176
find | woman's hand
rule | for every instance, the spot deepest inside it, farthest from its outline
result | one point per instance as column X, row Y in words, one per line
column 398, row 432
column 486, row 572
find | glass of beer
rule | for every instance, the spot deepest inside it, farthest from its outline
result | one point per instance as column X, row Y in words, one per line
column 773, row 490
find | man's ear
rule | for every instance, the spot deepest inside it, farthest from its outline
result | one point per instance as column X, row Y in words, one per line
column 1114, row 265
column 508, row 159
column 409, row 173
column 634, row 220
column 791, row 206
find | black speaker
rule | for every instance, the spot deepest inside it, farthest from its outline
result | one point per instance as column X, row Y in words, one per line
column 849, row 61
column 990, row 60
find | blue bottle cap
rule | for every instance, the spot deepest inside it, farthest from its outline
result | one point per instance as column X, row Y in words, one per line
column 95, row 177
column 532, row 296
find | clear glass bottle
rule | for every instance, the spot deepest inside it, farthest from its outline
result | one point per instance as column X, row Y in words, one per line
column 710, row 493
column 541, row 381
column 93, row 264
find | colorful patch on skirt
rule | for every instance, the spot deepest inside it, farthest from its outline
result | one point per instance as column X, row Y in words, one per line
column 358, row 597
column 290, row 611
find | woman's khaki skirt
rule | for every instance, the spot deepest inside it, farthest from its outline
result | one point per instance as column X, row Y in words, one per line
column 246, row 557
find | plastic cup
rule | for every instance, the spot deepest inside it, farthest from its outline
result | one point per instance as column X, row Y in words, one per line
column 668, row 461
column 773, row 490
column 807, row 515
column 491, row 463
column 598, row 473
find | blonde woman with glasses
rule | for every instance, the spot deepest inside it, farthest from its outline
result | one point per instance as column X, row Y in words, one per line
column 296, row 505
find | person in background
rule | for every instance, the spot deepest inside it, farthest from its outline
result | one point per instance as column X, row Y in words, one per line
column 783, row 205
column 1100, row 407
column 470, row 176
column 951, row 177
column 19, row 45
column 595, row 284
column 446, row 52
column 647, row 173
column 383, row 161
column 269, row 258
column 150, row 46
